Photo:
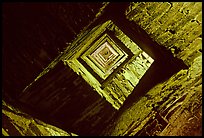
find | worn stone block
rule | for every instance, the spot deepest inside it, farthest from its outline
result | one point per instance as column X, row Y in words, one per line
column 196, row 45
column 26, row 125
column 161, row 39
column 199, row 17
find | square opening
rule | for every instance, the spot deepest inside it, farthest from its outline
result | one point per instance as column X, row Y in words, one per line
column 108, row 56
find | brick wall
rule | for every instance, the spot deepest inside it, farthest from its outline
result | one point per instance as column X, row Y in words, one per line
column 174, row 106
column 174, row 25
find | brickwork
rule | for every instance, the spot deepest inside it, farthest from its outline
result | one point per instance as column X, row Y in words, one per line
column 174, row 25
column 172, row 107
column 118, row 87
column 165, row 104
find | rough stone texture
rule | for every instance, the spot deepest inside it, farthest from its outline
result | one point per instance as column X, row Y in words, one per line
column 17, row 123
column 173, row 107
column 176, row 100
column 124, row 82
column 174, row 25
column 117, row 87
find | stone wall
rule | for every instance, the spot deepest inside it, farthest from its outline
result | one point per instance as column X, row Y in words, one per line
column 172, row 107
column 18, row 123
column 117, row 86
column 174, row 25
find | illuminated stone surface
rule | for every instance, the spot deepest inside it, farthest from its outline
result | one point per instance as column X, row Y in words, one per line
column 104, row 56
column 154, row 20
column 18, row 123
column 178, row 100
column 111, row 64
